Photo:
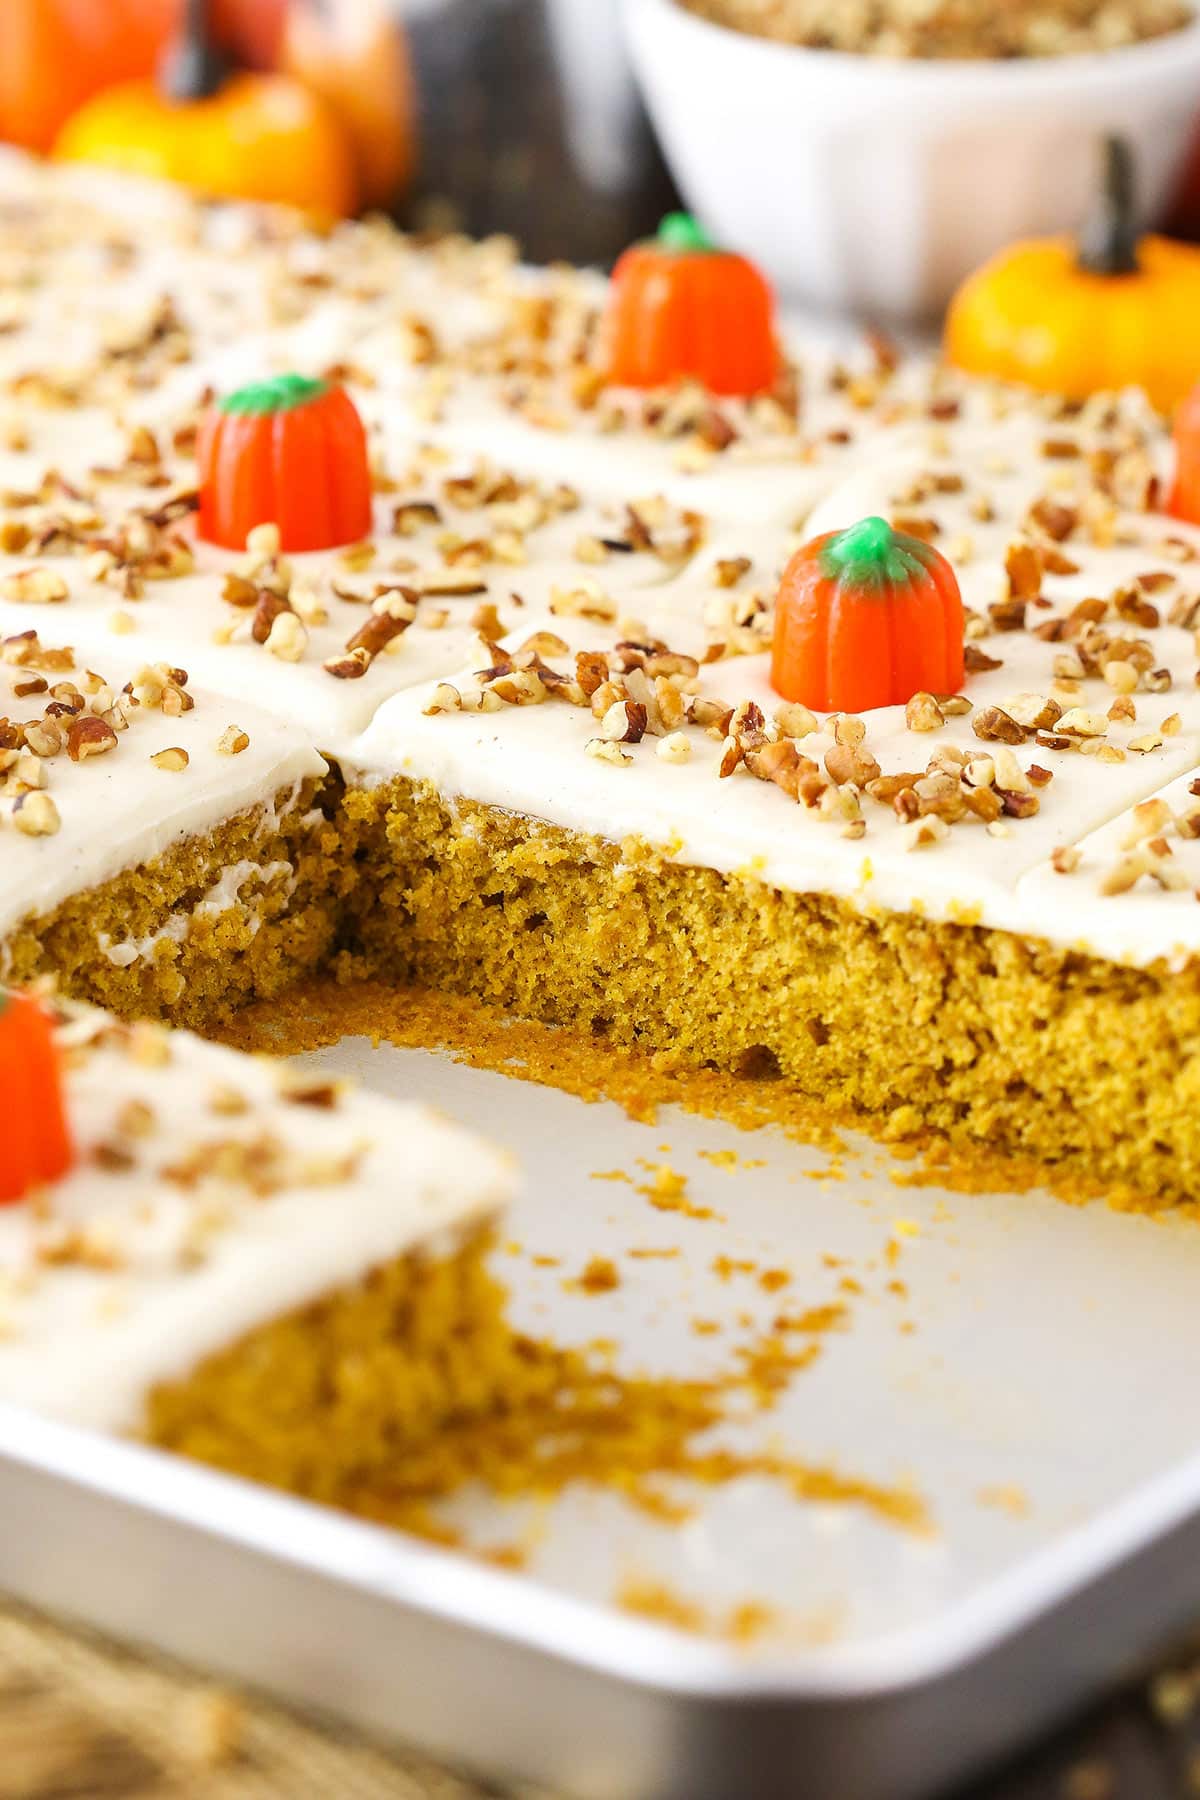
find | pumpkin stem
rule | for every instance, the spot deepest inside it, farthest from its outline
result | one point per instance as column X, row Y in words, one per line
column 1109, row 244
column 870, row 554
column 193, row 68
column 680, row 231
column 278, row 393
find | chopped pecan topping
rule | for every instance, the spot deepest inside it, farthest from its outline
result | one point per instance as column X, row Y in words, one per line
column 89, row 736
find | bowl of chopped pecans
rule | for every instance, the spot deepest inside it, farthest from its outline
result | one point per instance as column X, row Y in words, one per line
column 870, row 180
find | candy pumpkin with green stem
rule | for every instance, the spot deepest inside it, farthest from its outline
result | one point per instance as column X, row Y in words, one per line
column 1183, row 501
column 35, row 1141
column 290, row 452
column 681, row 309
column 867, row 617
column 1112, row 310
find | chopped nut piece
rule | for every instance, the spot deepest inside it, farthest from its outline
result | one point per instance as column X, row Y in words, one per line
column 350, row 666
column 175, row 759
column 1065, row 859
column 977, row 661
column 233, row 740
column 923, row 713
column 993, row 724
column 606, row 750
column 676, row 747
column 36, row 815
column 264, row 540
column 1078, row 722
column 287, row 638
column 847, row 763
column 794, row 720
column 728, row 570
column 89, row 736
column 922, row 833
column 1036, row 712
column 444, row 698
column 1121, row 676
column 1124, row 874
column 1149, row 819
column 34, row 587
column 1008, row 775
column 624, row 722
column 1023, row 566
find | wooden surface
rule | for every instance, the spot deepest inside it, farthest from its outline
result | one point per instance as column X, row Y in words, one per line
column 504, row 151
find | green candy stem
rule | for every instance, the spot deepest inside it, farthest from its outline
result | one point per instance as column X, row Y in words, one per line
column 871, row 554
column 280, row 393
column 680, row 232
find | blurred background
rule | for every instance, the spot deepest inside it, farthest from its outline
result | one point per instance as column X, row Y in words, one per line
column 531, row 123
column 486, row 115
column 868, row 153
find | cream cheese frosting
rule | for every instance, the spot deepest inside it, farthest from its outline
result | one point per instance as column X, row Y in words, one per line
column 210, row 1196
column 452, row 536
column 95, row 801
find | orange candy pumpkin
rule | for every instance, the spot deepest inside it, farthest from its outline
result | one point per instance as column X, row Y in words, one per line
column 289, row 452
column 35, row 1144
column 682, row 309
column 867, row 617
column 1184, row 498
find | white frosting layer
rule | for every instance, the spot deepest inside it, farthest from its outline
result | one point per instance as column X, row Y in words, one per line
column 118, row 809
column 124, row 1277
column 531, row 547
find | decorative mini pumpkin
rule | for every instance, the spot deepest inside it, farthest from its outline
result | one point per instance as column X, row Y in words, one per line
column 249, row 137
column 867, row 617
column 35, row 1144
column 1110, row 311
column 289, row 452
column 355, row 56
column 55, row 54
column 681, row 308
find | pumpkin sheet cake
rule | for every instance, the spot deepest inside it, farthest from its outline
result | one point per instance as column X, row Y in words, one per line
column 278, row 1275
column 524, row 728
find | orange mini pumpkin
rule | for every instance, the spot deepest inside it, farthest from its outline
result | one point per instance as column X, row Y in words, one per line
column 35, row 1144
column 1112, row 310
column 289, row 452
column 680, row 308
column 55, row 54
column 867, row 617
column 355, row 56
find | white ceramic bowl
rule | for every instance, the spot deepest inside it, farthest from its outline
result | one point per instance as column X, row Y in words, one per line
column 870, row 185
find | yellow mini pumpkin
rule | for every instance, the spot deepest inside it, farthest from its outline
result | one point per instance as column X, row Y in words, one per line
column 1109, row 310
column 233, row 136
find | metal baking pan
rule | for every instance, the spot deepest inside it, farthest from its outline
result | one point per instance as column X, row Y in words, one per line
column 1024, row 1365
